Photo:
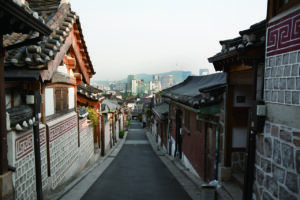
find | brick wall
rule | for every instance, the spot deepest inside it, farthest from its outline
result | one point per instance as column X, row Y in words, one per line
column 277, row 163
column 63, row 146
column 86, row 150
column 21, row 156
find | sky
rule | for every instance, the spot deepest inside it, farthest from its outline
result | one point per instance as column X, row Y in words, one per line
column 153, row 36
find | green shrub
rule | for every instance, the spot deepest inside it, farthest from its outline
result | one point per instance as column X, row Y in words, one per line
column 93, row 116
column 121, row 133
column 149, row 112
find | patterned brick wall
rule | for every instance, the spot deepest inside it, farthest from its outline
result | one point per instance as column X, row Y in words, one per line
column 63, row 147
column 277, row 164
column 21, row 156
column 86, row 141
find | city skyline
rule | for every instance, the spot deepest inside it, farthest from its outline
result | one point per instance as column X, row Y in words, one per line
column 159, row 36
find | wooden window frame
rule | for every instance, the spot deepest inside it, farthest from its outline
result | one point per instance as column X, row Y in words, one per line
column 64, row 109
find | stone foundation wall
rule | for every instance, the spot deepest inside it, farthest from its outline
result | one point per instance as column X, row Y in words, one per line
column 21, row 156
column 278, row 163
column 238, row 161
column 63, row 146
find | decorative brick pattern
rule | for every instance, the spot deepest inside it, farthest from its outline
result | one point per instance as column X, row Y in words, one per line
column 278, row 166
column 21, row 156
column 86, row 141
column 63, row 146
column 282, row 80
column 284, row 36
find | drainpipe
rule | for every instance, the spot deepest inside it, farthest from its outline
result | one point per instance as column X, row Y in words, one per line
column 217, row 144
column 36, row 138
column 168, row 134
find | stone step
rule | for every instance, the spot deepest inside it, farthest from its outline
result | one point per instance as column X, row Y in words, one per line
column 233, row 190
column 238, row 178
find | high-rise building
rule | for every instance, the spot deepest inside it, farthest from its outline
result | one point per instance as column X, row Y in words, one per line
column 129, row 83
column 166, row 81
column 204, row 71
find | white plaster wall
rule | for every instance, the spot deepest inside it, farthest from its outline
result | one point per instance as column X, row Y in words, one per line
column 173, row 146
column 159, row 140
column 239, row 137
column 71, row 98
column 243, row 91
column 117, row 130
column 188, row 165
column 49, row 101
column 107, row 134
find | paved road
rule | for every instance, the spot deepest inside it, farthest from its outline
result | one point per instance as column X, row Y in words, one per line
column 136, row 174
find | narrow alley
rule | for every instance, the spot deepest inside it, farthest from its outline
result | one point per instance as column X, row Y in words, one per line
column 135, row 172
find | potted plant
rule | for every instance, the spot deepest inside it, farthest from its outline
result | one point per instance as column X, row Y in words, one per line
column 121, row 134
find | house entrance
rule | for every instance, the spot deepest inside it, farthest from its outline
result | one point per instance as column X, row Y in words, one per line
column 178, row 145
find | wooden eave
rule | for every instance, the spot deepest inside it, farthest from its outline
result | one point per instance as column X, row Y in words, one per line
column 243, row 56
column 88, row 102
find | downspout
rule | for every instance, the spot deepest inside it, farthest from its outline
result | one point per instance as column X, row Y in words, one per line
column 217, row 144
column 168, row 134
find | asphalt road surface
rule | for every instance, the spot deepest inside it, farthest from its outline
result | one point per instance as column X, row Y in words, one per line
column 136, row 174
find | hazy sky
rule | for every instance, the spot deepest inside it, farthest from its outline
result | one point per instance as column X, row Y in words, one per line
column 152, row 36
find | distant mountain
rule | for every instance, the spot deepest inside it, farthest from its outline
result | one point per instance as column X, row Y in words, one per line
column 178, row 76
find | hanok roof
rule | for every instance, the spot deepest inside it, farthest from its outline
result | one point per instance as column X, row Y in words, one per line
column 192, row 91
column 161, row 110
column 61, row 20
column 249, row 39
column 18, row 17
column 89, row 92
column 109, row 106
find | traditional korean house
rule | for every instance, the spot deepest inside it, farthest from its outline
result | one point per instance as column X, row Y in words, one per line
column 160, row 124
column 41, row 78
column 16, row 17
column 195, row 116
column 277, row 158
column 111, row 120
column 243, row 60
column 90, row 97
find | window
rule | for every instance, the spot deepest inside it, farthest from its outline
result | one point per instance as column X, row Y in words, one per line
column 187, row 119
column 61, row 99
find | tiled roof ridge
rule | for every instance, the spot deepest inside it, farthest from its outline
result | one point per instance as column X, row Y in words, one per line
column 35, row 56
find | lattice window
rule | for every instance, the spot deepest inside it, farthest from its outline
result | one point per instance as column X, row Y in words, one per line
column 61, row 99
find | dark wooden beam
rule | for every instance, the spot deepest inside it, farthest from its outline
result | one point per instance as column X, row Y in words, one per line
column 3, row 138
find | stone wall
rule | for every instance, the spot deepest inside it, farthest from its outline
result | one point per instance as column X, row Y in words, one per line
column 63, row 146
column 277, row 164
column 21, row 156
column 107, row 133
column 86, row 150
